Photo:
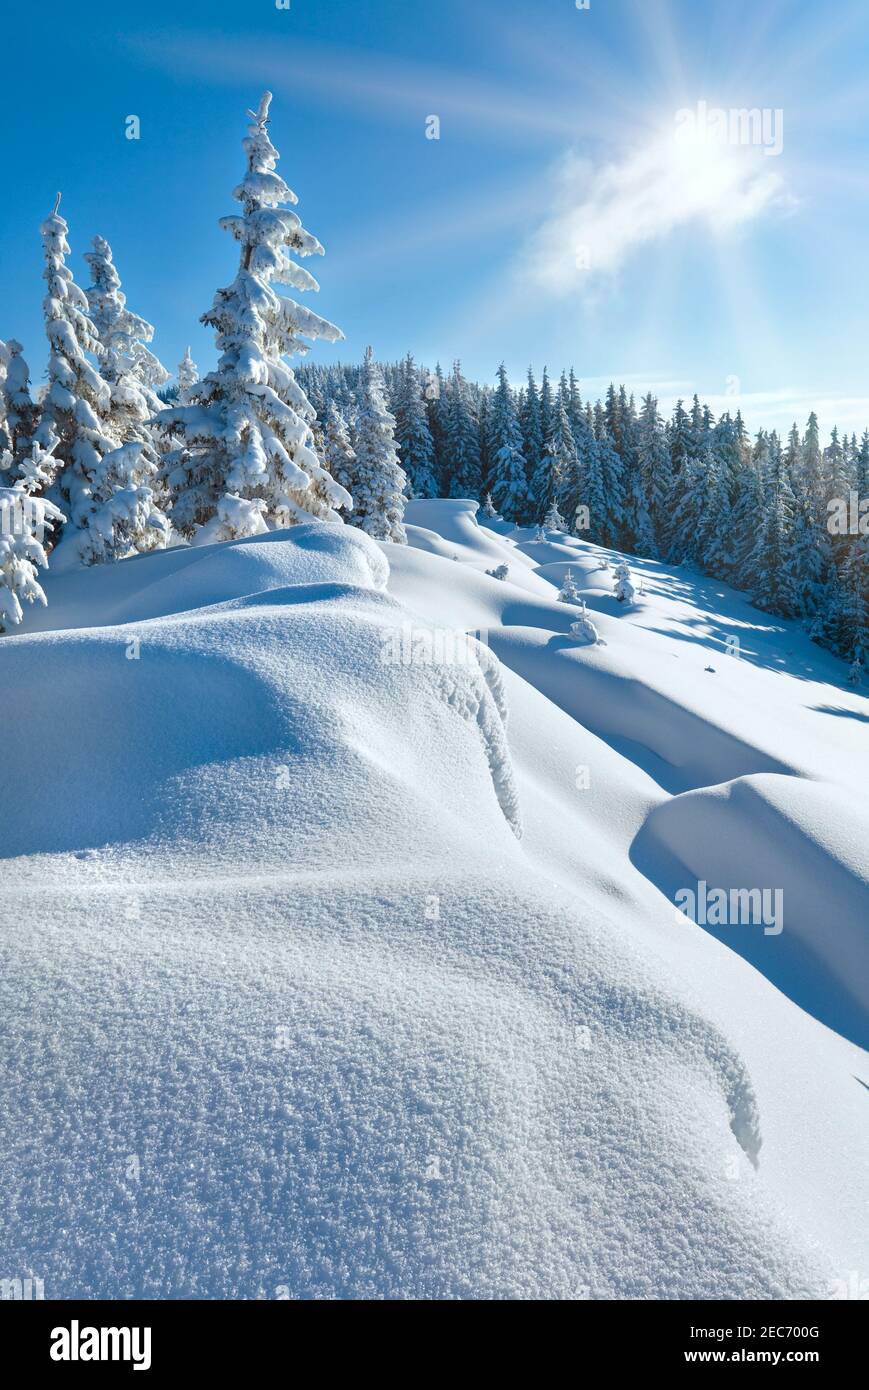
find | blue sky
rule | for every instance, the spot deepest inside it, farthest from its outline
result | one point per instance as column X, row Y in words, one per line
column 557, row 219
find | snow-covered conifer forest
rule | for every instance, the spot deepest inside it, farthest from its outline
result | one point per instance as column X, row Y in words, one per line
column 256, row 445
column 437, row 850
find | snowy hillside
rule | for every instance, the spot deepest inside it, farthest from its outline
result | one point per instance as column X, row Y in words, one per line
column 340, row 959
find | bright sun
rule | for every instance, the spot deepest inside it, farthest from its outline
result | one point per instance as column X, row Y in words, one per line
column 707, row 166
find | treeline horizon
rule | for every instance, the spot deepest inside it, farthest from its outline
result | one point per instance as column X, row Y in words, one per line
column 784, row 518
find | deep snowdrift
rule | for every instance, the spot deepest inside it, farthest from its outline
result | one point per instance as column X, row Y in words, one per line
column 325, row 972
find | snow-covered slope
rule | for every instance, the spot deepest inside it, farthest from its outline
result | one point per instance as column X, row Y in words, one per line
column 339, row 958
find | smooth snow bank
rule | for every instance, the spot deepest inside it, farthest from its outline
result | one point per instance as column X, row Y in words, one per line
column 595, row 584
column 602, row 737
column 631, row 708
column 289, row 1007
column 176, row 581
column 286, row 680
column 452, row 530
column 804, row 839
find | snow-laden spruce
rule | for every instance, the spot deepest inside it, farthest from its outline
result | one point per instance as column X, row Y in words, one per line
column 556, row 466
column 77, row 400
column 133, row 373
column 21, row 413
column 188, row 376
column 246, row 432
column 412, row 433
column 24, row 519
column 509, row 488
column 623, row 585
column 132, row 370
column 338, row 453
column 461, row 441
column 4, row 358
column 34, row 472
column 553, row 520
column 378, row 480
column 569, row 593
column 655, row 478
column 583, row 629
column 104, row 481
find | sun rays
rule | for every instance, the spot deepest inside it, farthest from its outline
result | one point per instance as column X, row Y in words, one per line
column 592, row 200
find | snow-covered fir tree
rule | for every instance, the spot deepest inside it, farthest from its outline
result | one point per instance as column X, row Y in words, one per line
column 462, row 439
column 133, row 373
column 484, row 415
column 623, row 583
column 579, row 477
column 837, row 476
column 188, row 376
column 437, row 407
column 546, row 408
column 246, row 432
column 509, row 487
column 611, row 519
column 413, row 435
column 730, row 442
column 689, row 508
column 557, row 464
column 714, row 546
column 812, row 464
column 612, row 415
column 73, row 422
column 841, row 621
column 680, row 437
column 855, row 606
column 4, row 434
column 809, row 556
column 532, row 430
column 568, row 593
column 378, row 480
column 132, row 370
column 125, row 516
column 772, row 588
column 583, row 629
column 20, row 410
column 745, row 518
column 575, row 411
column 35, row 472
column 553, row 520
column 636, row 532
column 654, row 468
column 102, row 482
column 861, row 465
column 24, row 520
column 338, row 453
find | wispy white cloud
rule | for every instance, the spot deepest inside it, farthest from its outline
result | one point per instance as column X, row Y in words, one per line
column 601, row 214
